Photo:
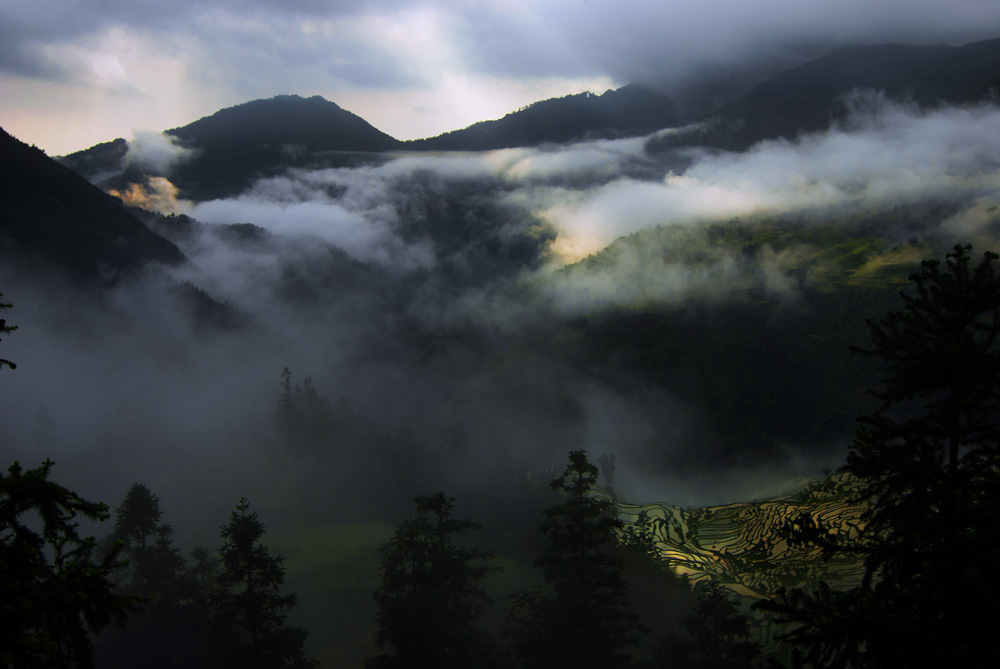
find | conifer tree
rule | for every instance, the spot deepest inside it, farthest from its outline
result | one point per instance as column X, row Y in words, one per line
column 56, row 590
column 286, row 408
column 718, row 633
column 431, row 594
column 928, row 459
column 251, row 607
column 155, row 566
column 585, row 619
column 168, row 632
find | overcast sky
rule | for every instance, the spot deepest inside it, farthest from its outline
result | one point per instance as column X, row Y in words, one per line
column 77, row 72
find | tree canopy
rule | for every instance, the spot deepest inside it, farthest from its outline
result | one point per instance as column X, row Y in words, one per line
column 251, row 606
column 431, row 594
column 154, row 564
column 585, row 618
column 927, row 458
column 56, row 588
column 718, row 633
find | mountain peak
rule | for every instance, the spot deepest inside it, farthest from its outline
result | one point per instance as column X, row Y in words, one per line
column 286, row 119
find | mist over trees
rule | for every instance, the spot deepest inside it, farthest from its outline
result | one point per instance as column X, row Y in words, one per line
column 222, row 609
column 924, row 456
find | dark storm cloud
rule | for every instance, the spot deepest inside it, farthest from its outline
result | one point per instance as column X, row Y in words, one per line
column 636, row 39
column 36, row 34
column 626, row 40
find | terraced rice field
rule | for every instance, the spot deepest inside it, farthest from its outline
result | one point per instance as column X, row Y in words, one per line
column 740, row 545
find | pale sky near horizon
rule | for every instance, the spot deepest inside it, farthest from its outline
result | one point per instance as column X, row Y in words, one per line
column 77, row 72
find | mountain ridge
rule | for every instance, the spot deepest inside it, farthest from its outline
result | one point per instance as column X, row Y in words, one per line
column 808, row 98
column 627, row 111
column 237, row 145
column 51, row 215
column 231, row 148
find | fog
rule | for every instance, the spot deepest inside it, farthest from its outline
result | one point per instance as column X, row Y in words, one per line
column 414, row 292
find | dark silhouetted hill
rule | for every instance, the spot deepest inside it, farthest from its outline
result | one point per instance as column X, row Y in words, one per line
column 99, row 162
column 627, row 112
column 50, row 215
column 810, row 97
column 265, row 137
column 235, row 146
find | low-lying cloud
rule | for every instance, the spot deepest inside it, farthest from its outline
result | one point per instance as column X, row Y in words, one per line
column 155, row 153
column 154, row 194
column 412, row 213
column 876, row 159
column 412, row 289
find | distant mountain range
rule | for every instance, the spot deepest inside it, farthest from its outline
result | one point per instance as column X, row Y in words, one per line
column 227, row 151
column 234, row 146
column 237, row 145
column 810, row 97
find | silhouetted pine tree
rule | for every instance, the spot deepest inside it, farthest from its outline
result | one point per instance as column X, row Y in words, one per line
column 431, row 594
column 929, row 459
column 302, row 413
column 154, row 565
column 584, row 620
column 287, row 413
column 250, row 606
column 55, row 590
column 658, row 595
column 168, row 632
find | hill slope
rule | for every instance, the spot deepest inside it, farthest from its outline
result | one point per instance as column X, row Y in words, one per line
column 51, row 215
column 740, row 544
column 231, row 148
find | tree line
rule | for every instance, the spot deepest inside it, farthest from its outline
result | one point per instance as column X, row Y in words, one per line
column 134, row 600
column 61, row 592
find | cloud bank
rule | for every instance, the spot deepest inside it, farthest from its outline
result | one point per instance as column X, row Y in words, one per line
column 591, row 193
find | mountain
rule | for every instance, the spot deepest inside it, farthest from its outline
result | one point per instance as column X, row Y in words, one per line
column 810, row 97
column 629, row 111
column 51, row 215
column 228, row 150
